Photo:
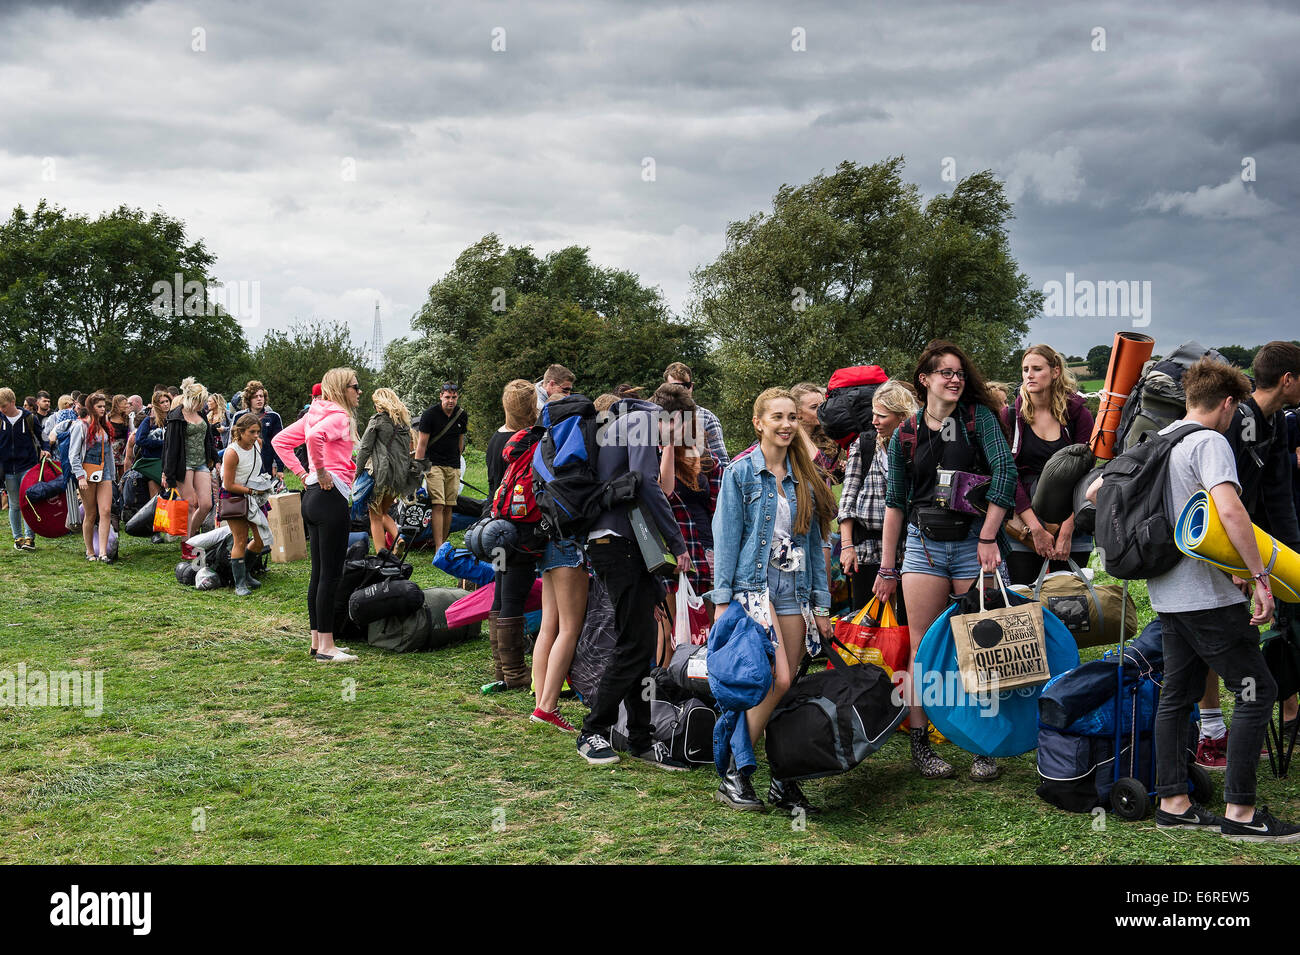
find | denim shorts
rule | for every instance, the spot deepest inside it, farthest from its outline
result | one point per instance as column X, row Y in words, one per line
column 565, row 553
column 955, row 560
column 201, row 469
column 781, row 591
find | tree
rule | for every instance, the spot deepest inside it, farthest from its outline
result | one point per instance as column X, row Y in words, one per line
column 289, row 363
column 503, row 313
column 1239, row 356
column 850, row 269
column 1098, row 360
column 81, row 304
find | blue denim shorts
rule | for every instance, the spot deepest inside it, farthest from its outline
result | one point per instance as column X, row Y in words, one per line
column 781, row 591
column 955, row 560
column 202, row 468
column 565, row 553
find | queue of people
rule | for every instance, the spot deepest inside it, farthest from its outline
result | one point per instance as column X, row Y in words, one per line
column 761, row 529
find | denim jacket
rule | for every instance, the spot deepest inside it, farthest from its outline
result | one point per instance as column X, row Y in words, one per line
column 742, row 535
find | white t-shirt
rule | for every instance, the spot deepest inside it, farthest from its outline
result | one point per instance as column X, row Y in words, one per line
column 14, row 419
column 1198, row 462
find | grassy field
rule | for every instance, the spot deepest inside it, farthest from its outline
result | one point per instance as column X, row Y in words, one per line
column 1091, row 384
column 220, row 741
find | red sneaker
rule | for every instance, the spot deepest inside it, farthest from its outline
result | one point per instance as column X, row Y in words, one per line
column 555, row 719
column 188, row 552
column 1212, row 753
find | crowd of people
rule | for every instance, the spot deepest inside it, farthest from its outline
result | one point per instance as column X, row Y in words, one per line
column 764, row 528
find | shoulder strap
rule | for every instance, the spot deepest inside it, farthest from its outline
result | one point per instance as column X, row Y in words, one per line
column 451, row 421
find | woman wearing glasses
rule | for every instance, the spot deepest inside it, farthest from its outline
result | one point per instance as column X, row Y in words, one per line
column 329, row 430
column 957, row 429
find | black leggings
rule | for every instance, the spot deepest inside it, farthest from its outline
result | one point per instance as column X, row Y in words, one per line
column 513, row 588
column 1024, row 567
column 327, row 518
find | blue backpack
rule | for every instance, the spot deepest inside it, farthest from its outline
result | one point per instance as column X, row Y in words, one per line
column 568, row 489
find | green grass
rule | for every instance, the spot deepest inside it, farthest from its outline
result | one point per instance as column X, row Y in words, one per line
column 1092, row 384
column 220, row 741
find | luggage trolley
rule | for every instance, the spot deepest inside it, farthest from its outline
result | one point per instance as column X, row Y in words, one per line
column 1130, row 797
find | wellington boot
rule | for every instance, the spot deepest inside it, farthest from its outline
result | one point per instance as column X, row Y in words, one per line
column 510, row 646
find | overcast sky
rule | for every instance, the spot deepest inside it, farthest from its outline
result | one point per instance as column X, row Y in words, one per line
column 342, row 153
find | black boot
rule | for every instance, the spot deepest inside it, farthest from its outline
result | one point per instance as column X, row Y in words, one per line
column 736, row 791
column 786, row 794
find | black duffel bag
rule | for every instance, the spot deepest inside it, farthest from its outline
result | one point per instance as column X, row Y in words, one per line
column 830, row 721
column 388, row 598
column 685, row 728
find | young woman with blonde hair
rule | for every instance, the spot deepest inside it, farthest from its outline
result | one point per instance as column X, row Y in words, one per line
column 329, row 430
column 190, row 454
column 217, row 420
column 1049, row 414
column 386, row 449
column 773, row 511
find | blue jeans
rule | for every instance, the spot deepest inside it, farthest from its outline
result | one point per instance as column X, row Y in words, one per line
column 19, row 526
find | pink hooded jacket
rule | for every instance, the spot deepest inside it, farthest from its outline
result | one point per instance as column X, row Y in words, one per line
column 326, row 429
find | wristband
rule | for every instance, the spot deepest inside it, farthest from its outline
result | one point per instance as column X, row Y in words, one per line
column 992, row 540
column 889, row 573
column 821, row 612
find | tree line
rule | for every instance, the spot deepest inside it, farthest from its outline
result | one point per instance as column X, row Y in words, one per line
column 848, row 268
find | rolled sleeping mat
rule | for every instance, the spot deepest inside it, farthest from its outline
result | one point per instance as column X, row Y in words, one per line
column 1085, row 512
column 1053, row 499
column 1199, row 534
column 1127, row 356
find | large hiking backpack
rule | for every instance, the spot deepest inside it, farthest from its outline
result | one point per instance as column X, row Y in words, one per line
column 361, row 570
column 685, row 728
column 569, row 490
column 846, row 412
column 832, row 720
column 1157, row 400
column 1134, row 532
column 516, row 496
column 424, row 628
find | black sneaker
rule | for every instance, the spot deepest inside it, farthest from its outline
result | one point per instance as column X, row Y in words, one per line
column 29, row 544
column 1196, row 817
column 1263, row 828
column 659, row 755
column 596, row 750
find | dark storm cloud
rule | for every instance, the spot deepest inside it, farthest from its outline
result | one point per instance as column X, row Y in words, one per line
column 331, row 149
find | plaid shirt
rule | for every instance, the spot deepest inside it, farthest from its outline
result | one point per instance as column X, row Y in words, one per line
column 863, row 499
column 713, row 434
column 1002, row 466
column 701, row 553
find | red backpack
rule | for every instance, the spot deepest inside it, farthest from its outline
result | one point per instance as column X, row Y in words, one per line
column 514, row 499
column 847, row 409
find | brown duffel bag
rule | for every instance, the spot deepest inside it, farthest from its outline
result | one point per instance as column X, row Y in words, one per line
column 1091, row 611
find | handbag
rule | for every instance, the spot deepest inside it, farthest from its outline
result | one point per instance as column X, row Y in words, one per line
column 691, row 625
column 232, row 507
column 172, row 514
column 1001, row 648
column 873, row 635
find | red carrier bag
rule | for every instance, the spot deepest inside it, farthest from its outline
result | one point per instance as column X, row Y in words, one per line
column 873, row 635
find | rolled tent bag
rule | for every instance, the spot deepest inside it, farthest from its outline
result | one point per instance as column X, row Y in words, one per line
column 141, row 522
column 46, row 515
column 436, row 602
column 1005, row 724
column 1092, row 612
column 1199, row 534
column 386, row 598
column 1053, row 499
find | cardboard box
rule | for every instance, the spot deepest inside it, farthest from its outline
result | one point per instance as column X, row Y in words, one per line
column 290, row 540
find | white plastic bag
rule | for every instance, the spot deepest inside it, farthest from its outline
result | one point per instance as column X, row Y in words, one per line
column 686, row 602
